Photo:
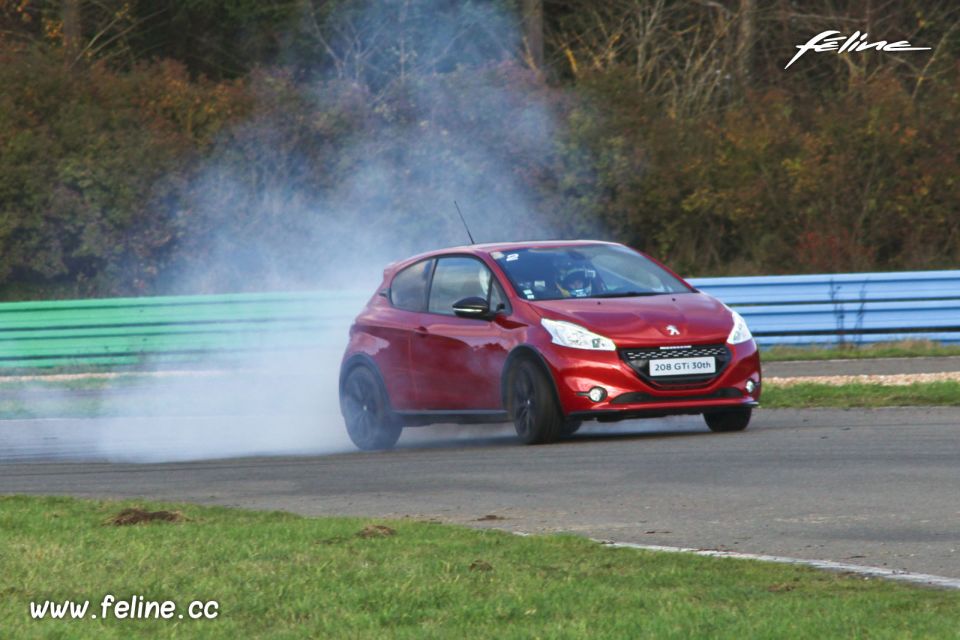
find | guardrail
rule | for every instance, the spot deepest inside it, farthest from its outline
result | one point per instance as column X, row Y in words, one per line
column 851, row 308
column 824, row 309
column 123, row 331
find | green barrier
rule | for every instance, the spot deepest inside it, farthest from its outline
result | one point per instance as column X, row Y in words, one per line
column 130, row 331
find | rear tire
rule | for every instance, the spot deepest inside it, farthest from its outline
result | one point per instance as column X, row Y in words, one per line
column 533, row 406
column 727, row 421
column 370, row 422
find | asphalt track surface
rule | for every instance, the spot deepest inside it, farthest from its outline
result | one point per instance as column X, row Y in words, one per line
column 869, row 487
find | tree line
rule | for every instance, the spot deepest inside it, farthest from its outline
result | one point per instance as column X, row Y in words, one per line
column 142, row 141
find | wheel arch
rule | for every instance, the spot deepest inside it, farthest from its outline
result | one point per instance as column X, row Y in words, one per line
column 526, row 352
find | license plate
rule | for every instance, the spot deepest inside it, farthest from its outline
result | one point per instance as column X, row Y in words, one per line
column 683, row 366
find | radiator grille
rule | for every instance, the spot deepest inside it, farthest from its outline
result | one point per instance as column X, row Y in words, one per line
column 639, row 360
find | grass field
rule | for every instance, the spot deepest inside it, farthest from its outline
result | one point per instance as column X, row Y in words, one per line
column 806, row 394
column 904, row 349
column 281, row 575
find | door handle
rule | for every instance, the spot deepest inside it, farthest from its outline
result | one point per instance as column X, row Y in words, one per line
column 422, row 332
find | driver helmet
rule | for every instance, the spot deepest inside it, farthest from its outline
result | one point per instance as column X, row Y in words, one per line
column 578, row 282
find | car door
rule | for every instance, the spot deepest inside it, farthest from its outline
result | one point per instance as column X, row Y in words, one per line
column 457, row 361
column 395, row 324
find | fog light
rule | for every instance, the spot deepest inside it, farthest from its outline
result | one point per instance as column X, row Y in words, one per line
column 750, row 386
column 597, row 394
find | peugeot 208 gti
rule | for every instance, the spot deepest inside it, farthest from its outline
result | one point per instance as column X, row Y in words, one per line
column 544, row 334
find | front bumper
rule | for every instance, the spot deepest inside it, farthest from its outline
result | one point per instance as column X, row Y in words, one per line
column 630, row 394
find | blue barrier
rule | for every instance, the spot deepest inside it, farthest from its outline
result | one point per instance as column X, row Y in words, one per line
column 810, row 309
column 849, row 308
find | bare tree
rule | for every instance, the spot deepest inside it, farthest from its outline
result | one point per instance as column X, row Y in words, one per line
column 681, row 54
column 378, row 45
column 696, row 55
column 72, row 31
column 744, row 54
column 533, row 32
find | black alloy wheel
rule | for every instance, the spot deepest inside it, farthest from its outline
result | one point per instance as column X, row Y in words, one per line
column 370, row 423
column 533, row 407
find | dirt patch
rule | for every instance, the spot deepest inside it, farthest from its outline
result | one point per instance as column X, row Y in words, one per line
column 376, row 531
column 141, row 516
column 481, row 565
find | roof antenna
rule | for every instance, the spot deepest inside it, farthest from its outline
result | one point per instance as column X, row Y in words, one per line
column 469, row 235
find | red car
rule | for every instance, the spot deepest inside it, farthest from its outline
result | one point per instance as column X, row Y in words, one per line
column 544, row 334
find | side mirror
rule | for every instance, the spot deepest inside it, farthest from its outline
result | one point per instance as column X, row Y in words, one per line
column 472, row 307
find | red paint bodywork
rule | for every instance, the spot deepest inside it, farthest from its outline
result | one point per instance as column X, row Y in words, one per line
column 434, row 363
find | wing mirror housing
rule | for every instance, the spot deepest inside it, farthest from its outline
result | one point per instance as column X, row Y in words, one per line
column 473, row 307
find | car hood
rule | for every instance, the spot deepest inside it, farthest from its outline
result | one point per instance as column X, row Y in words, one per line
column 646, row 320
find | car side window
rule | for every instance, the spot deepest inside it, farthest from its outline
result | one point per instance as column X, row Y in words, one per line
column 456, row 278
column 408, row 290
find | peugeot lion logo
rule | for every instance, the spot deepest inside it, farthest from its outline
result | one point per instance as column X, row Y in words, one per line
column 672, row 330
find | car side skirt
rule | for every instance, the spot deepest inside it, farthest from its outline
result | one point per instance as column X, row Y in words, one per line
column 478, row 416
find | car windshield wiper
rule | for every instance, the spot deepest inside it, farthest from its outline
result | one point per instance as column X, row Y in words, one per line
column 626, row 294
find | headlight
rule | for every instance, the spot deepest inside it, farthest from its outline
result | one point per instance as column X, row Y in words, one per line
column 572, row 335
column 740, row 332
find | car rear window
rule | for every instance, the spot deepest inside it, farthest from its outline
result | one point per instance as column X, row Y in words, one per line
column 408, row 290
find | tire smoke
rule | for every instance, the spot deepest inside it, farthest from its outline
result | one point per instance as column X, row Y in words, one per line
column 467, row 122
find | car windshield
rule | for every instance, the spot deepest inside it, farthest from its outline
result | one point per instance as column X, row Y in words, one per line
column 591, row 271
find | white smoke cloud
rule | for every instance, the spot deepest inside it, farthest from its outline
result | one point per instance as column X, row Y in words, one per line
column 271, row 216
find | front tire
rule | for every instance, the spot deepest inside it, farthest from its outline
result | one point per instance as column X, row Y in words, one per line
column 366, row 411
column 727, row 421
column 533, row 406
